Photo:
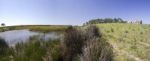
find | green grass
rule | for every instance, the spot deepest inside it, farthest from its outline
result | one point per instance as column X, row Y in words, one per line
column 130, row 41
column 40, row 28
column 34, row 50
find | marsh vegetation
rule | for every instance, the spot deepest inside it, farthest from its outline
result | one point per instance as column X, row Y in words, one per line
column 95, row 42
column 76, row 45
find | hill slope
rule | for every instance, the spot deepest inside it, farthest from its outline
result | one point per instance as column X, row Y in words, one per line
column 131, row 42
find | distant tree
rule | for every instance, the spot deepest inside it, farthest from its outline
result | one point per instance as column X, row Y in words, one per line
column 2, row 24
column 106, row 20
column 141, row 22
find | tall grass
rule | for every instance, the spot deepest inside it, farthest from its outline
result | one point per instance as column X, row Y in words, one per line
column 37, row 50
column 96, row 47
column 73, row 43
column 130, row 38
column 86, row 45
column 3, row 50
column 78, row 45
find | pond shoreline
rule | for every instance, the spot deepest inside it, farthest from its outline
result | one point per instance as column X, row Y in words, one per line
column 16, row 36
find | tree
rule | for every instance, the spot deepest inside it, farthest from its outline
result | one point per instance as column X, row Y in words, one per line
column 141, row 22
column 2, row 24
column 106, row 20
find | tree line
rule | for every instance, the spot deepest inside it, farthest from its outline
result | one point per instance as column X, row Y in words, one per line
column 105, row 20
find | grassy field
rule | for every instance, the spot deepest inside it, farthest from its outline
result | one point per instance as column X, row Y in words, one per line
column 40, row 28
column 76, row 45
column 131, row 42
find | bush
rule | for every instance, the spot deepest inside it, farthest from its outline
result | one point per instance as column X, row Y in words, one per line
column 96, row 48
column 92, row 31
column 4, row 50
column 73, row 42
column 88, row 45
column 54, row 52
column 112, row 30
column 126, row 31
column 3, row 47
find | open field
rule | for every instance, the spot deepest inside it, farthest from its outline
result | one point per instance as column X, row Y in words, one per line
column 131, row 42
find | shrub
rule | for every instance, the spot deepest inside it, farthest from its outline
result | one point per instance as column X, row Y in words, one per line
column 54, row 52
column 88, row 45
column 4, row 50
column 96, row 48
column 126, row 31
column 97, row 51
column 141, row 33
column 73, row 42
column 3, row 47
column 92, row 31
column 112, row 30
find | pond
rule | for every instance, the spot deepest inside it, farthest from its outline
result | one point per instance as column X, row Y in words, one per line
column 15, row 36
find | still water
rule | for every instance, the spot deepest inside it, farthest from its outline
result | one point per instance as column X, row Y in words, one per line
column 14, row 36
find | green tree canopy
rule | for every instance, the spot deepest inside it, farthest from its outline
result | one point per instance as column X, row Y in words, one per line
column 106, row 20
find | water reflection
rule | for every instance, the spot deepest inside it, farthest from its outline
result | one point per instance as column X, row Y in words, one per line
column 15, row 36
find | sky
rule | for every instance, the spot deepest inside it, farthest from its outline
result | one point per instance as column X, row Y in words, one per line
column 71, row 12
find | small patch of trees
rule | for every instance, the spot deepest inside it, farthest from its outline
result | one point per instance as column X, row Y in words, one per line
column 2, row 24
column 105, row 20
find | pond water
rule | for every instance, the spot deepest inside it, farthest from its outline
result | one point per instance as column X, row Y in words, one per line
column 14, row 36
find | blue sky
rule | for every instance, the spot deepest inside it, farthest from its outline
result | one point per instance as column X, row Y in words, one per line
column 71, row 12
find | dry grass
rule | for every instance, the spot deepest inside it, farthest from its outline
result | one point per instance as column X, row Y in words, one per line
column 86, row 45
